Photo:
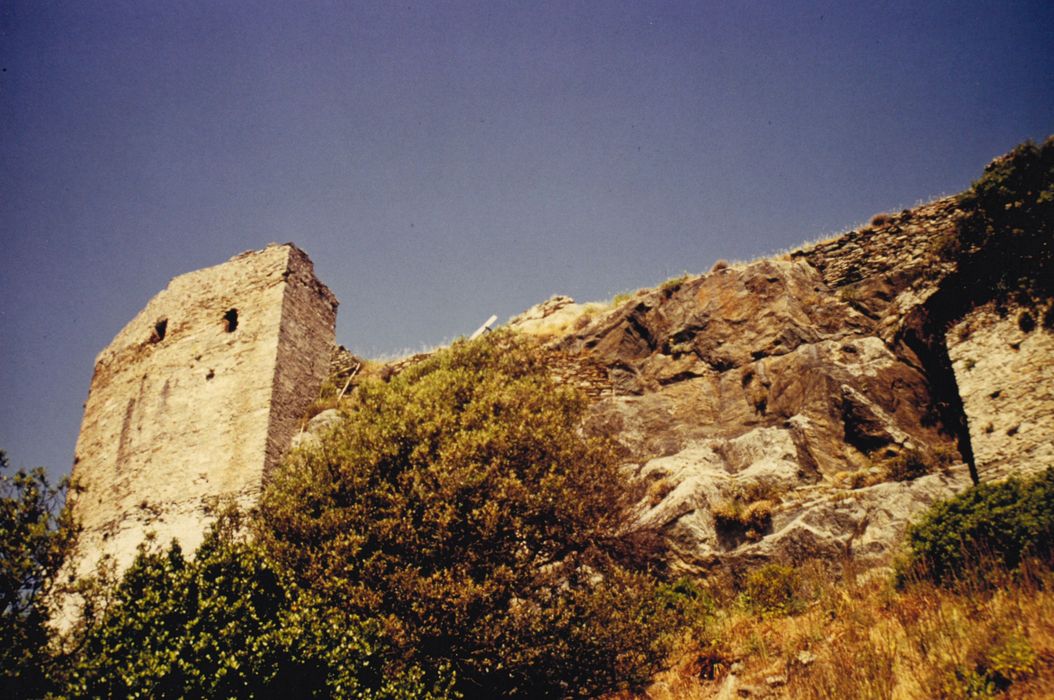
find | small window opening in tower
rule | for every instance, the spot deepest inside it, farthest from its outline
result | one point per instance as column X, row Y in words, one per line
column 230, row 320
column 159, row 331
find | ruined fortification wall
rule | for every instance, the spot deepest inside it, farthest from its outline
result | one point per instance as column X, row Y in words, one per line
column 1006, row 379
column 892, row 245
column 1003, row 375
column 196, row 398
column 305, row 346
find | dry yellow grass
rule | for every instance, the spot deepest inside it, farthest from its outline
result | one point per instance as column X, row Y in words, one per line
column 866, row 639
column 566, row 320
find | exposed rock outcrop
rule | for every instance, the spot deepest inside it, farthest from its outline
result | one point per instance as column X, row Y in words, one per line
column 811, row 405
column 808, row 405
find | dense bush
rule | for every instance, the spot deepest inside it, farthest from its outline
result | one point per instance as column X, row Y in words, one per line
column 909, row 464
column 1000, row 523
column 224, row 625
column 460, row 505
column 35, row 535
column 1005, row 243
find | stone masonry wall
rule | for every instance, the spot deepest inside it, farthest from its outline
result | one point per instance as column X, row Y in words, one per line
column 1006, row 379
column 305, row 346
column 196, row 398
column 891, row 266
column 893, row 244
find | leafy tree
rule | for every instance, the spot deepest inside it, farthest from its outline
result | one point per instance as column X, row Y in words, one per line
column 460, row 504
column 35, row 535
column 224, row 624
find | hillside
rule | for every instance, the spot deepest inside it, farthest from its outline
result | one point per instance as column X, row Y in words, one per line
column 792, row 416
column 707, row 475
column 811, row 404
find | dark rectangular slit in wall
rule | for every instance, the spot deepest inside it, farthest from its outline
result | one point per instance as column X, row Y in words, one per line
column 230, row 320
column 160, row 328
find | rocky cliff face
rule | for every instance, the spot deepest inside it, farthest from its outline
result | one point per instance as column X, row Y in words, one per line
column 811, row 405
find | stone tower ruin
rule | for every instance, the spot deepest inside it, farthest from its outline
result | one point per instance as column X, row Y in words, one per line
column 197, row 398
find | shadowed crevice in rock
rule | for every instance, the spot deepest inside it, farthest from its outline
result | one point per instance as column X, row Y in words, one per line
column 863, row 429
column 924, row 332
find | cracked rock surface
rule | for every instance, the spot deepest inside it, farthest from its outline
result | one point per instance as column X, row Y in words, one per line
column 800, row 407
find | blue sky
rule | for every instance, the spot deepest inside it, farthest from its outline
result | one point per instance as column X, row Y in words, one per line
column 443, row 161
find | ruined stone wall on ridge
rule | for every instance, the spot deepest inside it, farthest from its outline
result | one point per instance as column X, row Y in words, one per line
column 196, row 397
column 900, row 245
column 1002, row 367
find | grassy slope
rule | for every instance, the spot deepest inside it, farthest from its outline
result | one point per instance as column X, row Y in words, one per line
column 863, row 638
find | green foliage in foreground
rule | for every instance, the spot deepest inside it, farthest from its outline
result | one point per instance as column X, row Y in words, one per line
column 34, row 538
column 225, row 625
column 461, row 507
column 457, row 536
column 1001, row 523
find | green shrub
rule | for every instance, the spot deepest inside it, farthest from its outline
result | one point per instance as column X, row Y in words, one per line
column 696, row 611
column 1000, row 523
column 225, row 625
column 692, row 602
column 772, row 590
column 968, row 683
column 1010, row 658
column 459, row 504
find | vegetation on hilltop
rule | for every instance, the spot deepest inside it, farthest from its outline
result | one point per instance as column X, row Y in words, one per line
column 1002, row 252
column 1004, row 246
column 861, row 637
column 457, row 535
column 228, row 624
column 1001, row 524
column 231, row 623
